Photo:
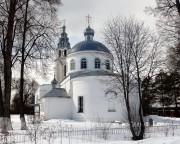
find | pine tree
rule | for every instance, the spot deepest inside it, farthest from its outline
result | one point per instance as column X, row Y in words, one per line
column 161, row 90
column 148, row 95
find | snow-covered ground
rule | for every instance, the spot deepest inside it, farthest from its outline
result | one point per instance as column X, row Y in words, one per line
column 75, row 132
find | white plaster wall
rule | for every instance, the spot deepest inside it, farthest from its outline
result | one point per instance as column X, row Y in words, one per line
column 57, row 108
column 66, row 85
column 37, row 96
column 42, row 90
column 59, row 68
column 90, row 57
column 42, row 107
column 95, row 103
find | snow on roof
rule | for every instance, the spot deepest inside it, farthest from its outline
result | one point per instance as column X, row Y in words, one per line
column 57, row 92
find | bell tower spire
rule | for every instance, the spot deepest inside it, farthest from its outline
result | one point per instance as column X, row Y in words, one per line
column 62, row 50
column 63, row 40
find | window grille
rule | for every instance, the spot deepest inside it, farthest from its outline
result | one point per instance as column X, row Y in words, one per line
column 83, row 63
column 107, row 65
column 97, row 63
column 80, row 104
column 72, row 65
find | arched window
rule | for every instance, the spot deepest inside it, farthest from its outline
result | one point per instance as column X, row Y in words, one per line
column 111, row 97
column 83, row 63
column 107, row 65
column 59, row 53
column 97, row 63
column 64, row 70
column 65, row 53
column 80, row 104
column 72, row 65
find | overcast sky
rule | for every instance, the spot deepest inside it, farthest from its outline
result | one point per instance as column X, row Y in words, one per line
column 75, row 12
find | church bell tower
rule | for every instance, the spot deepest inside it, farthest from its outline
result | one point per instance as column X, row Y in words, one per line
column 61, row 54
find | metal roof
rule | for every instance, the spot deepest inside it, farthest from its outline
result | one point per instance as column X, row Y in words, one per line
column 89, row 45
column 89, row 31
column 57, row 92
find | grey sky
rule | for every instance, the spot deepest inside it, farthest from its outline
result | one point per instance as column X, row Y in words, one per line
column 75, row 12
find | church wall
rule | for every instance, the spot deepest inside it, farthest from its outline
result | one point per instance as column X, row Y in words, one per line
column 42, row 108
column 57, row 108
column 66, row 85
column 95, row 103
column 90, row 57
column 59, row 68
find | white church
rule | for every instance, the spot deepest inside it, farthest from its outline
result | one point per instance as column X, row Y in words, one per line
column 81, row 89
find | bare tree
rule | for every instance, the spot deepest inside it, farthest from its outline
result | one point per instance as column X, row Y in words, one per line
column 35, row 39
column 1, row 104
column 173, row 57
column 29, row 90
column 168, row 23
column 28, row 28
column 135, row 54
column 7, row 16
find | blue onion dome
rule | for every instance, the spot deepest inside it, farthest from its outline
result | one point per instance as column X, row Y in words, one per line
column 89, row 44
column 89, row 31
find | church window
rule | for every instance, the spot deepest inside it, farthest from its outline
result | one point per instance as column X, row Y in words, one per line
column 80, row 104
column 65, row 53
column 111, row 106
column 107, row 65
column 83, row 63
column 97, row 63
column 59, row 53
column 111, row 97
column 72, row 65
column 66, row 67
column 64, row 70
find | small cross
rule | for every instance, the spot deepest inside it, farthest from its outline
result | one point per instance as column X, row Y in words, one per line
column 88, row 19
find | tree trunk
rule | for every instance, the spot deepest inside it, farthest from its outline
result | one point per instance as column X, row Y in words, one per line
column 1, row 106
column 139, row 128
column 178, row 6
column 8, row 65
column 22, row 118
column 163, row 105
column 176, row 112
column 6, row 125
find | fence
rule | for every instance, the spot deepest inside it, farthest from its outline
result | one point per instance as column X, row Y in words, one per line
column 94, row 133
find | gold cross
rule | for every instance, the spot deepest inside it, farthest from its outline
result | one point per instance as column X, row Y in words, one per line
column 88, row 19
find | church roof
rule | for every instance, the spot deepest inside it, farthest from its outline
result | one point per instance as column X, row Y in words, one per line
column 57, row 92
column 89, row 31
column 89, row 44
